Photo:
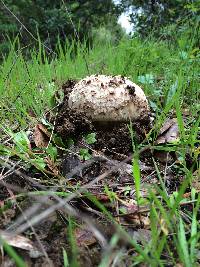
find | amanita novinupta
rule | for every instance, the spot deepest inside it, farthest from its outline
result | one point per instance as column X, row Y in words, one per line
column 109, row 99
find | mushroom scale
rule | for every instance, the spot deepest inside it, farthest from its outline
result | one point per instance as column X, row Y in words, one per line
column 109, row 98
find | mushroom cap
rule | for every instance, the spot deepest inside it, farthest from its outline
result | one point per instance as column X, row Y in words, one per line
column 109, row 98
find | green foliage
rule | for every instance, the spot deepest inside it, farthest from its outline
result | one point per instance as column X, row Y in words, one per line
column 52, row 152
column 90, row 138
column 22, row 149
column 112, row 195
column 54, row 19
column 21, row 140
column 146, row 79
column 84, row 154
column 29, row 83
column 137, row 176
column 163, row 18
column 65, row 258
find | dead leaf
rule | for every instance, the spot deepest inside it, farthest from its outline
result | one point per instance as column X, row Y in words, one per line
column 51, row 165
column 168, row 123
column 169, row 132
column 31, row 113
column 41, row 136
column 132, row 207
column 21, row 242
column 142, row 235
column 134, row 215
column 84, row 237
column 163, row 156
column 44, row 129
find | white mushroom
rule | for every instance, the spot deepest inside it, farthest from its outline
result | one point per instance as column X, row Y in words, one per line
column 109, row 98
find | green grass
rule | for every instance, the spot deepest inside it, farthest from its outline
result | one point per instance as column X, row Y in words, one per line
column 169, row 75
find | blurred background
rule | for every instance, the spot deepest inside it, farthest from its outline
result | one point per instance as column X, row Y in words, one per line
column 28, row 21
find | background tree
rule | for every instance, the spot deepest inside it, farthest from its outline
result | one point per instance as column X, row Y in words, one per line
column 155, row 15
column 51, row 19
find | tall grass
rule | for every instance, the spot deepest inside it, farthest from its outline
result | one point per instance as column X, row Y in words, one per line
column 27, row 84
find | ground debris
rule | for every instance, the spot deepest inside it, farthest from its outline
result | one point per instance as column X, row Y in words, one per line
column 21, row 242
column 41, row 136
column 169, row 132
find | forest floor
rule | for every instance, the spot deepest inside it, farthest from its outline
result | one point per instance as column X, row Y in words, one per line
column 75, row 193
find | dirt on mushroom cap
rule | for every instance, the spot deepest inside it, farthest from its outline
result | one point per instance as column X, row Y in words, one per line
column 109, row 98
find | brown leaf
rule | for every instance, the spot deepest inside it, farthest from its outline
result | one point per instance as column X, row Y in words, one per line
column 41, row 136
column 51, row 165
column 163, row 156
column 44, row 129
column 169, row 132
column 84, row 237
column 134, row 215
column 168, row 123
column 32, row 113
column 132, row 208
